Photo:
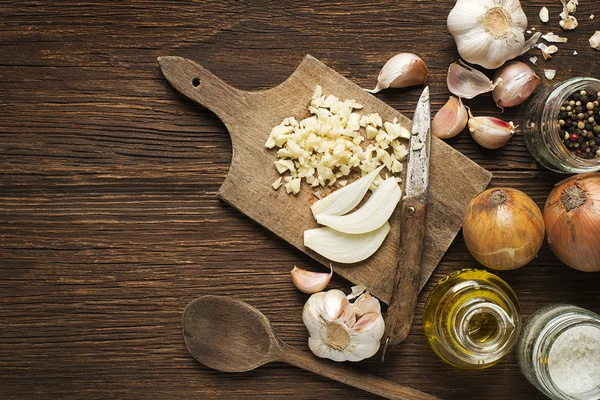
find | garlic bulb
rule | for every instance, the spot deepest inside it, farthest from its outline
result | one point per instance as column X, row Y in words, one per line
column 517, row 81
column 490, row 132
column 488, row 32
column 340, row 330
column 402, row 70
column 450, row 120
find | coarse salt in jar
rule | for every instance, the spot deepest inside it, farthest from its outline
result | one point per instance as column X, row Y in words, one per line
column 560, row 131
column 559, row 352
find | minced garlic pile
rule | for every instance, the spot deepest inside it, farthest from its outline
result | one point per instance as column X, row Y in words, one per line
column 326, row 146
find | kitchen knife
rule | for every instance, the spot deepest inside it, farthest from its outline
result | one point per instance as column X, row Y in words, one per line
column 401, row 308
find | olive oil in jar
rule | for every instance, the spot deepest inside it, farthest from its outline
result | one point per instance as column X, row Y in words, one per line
column 472, row 319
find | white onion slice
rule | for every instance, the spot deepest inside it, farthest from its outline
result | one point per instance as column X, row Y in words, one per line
column 345, row 248
column 345, row 199
column 467, row 82
column 372, row 215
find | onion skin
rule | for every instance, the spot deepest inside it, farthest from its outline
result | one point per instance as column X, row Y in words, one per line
column 573, row 229
column 503, row 228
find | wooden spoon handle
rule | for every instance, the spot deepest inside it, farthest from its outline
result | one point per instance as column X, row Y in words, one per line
column 199, row 84
column 350, row 376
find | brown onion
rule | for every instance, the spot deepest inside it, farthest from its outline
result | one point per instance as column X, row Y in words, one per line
column 503, row 228
column 572, row 216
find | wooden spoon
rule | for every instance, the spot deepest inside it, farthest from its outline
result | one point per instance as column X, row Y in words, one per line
column 231, row 336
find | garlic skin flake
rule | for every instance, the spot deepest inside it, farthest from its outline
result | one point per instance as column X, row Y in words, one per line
column 372, row 215
column 489, row 132
column 310, row 282
column 595, row 41
column 344, row 247
column 340, row 330
column 488, row 32
column 466, row 82
column 402, row 70
column 450, row 120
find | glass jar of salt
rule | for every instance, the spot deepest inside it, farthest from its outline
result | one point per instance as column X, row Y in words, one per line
column 559, row 352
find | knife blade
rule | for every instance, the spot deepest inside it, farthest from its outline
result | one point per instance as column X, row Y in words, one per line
column 399, row 316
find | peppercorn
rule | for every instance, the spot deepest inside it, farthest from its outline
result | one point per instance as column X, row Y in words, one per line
column 589, row 106
column 576, row 96
column 562, row 115
column 597, row 129
column 571, row 129
column 573, row 137
column 588, row 127
column 584, row 99
column 580, row 125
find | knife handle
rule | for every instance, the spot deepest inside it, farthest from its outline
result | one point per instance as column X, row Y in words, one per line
column 401, row 308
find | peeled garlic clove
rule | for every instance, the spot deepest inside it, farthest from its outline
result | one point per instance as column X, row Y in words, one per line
column 345, row 199
column 466, row 82
column 517, row 81
column 402, row 70
column 343, row 247
column 372, row 215
column 310, row 282
column 490, row 132
column 450, row 120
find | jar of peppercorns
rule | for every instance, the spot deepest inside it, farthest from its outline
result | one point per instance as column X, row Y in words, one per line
column 562, row 126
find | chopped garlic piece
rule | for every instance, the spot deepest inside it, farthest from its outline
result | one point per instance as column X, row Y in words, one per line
column 533, row 60
column 417, row 146
column 549, row 74
column 293, row 186
column 277, row 183
column 569, row 23
column 575, row 52
column 544, row 15
column 591, row 16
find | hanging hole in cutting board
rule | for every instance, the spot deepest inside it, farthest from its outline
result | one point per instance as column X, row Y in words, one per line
column 196, row 82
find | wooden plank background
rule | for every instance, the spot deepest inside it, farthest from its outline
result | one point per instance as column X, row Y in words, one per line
column 109, row 224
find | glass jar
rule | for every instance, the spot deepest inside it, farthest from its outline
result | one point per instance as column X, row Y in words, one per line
column 472, row 319
column 538, row 361
column 541, row 130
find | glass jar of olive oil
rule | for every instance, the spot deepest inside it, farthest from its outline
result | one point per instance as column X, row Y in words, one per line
column 472, row 319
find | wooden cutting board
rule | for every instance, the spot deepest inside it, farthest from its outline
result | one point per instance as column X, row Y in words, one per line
column 250, row 116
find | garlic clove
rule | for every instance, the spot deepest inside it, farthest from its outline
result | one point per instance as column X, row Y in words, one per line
column 372, row 215
column 466, row 82
column 343, row 247
column 343, row 200
column 402, row 70
column 333, row 304
column 310, row 282
column 490, row 132
column 450, row 120
column 366, row 304
column 517, row 81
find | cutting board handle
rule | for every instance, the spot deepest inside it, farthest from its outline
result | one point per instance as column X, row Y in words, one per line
column 199, row 84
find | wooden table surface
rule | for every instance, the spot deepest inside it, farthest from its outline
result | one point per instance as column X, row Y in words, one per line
column 109, row 223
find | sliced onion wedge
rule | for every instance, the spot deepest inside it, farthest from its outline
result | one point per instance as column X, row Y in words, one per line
column 372, row 215
column 345, row 199
column 343, row 247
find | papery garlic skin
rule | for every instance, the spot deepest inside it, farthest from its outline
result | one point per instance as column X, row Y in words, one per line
column 310, row 282
column 489, row 132
column 450, row 120
column 466, row 82
column 338, row 331
column 488, row 32
column 402, row 70
column 517, row 81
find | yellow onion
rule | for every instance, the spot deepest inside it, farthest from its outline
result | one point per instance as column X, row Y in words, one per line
column 503, row 228
column 572, row 216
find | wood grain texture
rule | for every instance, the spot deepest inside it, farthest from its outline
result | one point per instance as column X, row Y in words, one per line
column 109, row 221
column 250, row 116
